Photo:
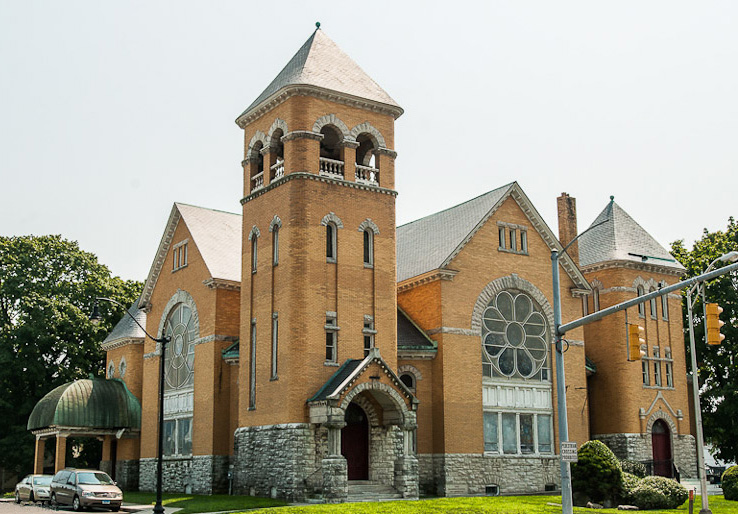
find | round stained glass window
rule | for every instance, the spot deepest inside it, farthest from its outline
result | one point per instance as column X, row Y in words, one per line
column 515, row 338
column 180, row 355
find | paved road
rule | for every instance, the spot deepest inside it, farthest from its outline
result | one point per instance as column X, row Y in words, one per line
column 8, row 506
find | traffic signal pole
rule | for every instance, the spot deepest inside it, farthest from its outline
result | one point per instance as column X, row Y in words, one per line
column 561, row 329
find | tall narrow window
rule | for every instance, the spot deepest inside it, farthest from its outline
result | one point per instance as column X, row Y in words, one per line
column 669, row 365
column 275, row 344
column 652, row 302
column 644, row 370
column 491, row 434
column 253, row 254
column 368, row 248
column 502, row 231
column 513, row 240
column 664, row 305
column 252, row 367
column 368, row 334
column 275, row 246
column 585, row 305
column 331, row 338
column 179, row 256
column 330, row 242
column 524, row 241
column 596, row 299
column 641, row 307
column 656, row 368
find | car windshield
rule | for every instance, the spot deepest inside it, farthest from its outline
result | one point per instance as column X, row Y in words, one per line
column 98, row 478
column 41, row 480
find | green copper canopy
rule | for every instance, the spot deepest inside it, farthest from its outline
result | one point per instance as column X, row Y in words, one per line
column 89, row 403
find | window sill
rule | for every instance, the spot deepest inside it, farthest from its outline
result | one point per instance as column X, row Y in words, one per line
column 330, row 260
column 331, row 363
column 368, row 266
column 520, row 455
column 663, row 388
column 510, row 250
column 274, row 378
column 177, row 269
column 177, row 457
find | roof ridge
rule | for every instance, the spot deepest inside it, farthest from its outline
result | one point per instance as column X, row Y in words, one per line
column 458, row 205
column 207, row 208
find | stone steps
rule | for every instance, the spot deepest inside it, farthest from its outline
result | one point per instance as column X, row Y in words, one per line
column 367, row 491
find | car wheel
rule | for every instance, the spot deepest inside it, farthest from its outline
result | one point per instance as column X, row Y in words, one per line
column 115, row 508
column 54, row 504
column 17, row 497
column 76, row 505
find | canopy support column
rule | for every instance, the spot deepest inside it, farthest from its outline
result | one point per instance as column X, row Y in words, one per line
column 38, row 462
column 61, row 453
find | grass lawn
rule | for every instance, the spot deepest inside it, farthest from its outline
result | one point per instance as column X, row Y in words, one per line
column 194, row 503
column 483, row 505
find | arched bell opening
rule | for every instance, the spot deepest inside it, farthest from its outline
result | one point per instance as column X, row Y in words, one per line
column 276, row 170
column 331, row 152
column 256, row 163
column 367, row 163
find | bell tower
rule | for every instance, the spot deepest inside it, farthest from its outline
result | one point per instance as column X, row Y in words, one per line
column 318, row 266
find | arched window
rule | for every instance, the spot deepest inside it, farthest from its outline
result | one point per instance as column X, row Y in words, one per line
column 409, row 380
column 111, row 369
column 652, row 303
column 596, row 299
column 330, row 242
column 179, row 363
column 257, row 166
column 641, row 307
column 275, row 245
column 368, row 247
column 664, row 304
column 254, row 254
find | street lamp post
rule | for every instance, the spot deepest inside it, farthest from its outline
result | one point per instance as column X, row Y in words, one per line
column 728, row 257
column 162, row 342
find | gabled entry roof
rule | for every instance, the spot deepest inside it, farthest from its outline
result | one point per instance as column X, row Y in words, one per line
column 127, row 328
column 320, row 63
column 431, row 243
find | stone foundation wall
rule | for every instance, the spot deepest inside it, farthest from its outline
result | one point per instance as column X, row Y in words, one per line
column 199, row 474
column 385, row 447
column 126, row 474
column 638, row 447
column 469, row 474
column 276, row 461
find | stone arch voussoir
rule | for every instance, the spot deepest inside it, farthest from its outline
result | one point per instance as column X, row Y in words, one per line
column 276, row 223
column 184, row 297
column 397, row 400
column 369, row 224
column 368, row 128
column 277, row 125
column 371, row 412
column 255, row 232
column 258, row 137
column 501, row 284
column 331, row 218
column 408, row 368
column 332, row 119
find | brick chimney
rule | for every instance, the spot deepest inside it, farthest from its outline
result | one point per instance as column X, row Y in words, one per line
column 567, row 208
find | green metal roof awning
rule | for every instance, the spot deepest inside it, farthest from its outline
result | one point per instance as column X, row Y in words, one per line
column 88, row 403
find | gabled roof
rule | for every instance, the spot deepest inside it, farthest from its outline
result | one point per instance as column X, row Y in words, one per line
column 410, row 336
column 620, row 238
column 127, row 328
column 322, row 64
column 217, row 236
column 431, row 243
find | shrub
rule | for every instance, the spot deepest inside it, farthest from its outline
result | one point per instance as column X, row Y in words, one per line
column 659, row 493
column 634, row 468
column 730, row 483
column 597, row 474
column 630, row 482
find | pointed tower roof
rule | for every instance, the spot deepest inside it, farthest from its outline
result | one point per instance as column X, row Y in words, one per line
column 320, row 66
column 620, row 238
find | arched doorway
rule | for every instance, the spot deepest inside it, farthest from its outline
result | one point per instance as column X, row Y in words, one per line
column 355, row 443
column 661, row 443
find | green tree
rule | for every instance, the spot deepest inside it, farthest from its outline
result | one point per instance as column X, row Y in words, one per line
column 47, row 290
column 717, row 365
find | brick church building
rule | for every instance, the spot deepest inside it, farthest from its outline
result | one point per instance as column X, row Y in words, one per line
column 318, row 350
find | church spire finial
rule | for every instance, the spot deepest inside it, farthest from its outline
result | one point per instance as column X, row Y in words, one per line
column 317, row 25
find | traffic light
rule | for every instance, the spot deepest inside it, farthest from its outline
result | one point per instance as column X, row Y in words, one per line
column 636, row 337
column 713, row 323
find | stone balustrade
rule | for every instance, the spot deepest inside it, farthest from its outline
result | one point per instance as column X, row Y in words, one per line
column 257, row 182
column 277, row 170
column 367, row 175
column 331, row 168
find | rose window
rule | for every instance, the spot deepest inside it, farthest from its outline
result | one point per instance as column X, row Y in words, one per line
column 515, row 338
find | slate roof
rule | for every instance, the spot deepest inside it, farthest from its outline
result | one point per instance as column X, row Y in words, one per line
column 96, row 403
column 622, row 239
column 320, row 62
column 126, row 328
column 217, row 235
column 410, row 336
column 424, row 245
column 336, row 379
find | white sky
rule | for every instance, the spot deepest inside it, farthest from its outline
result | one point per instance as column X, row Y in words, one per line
column 112, row 111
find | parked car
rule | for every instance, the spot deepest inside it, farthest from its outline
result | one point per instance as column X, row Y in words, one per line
column 83, row 488
column 33, row 488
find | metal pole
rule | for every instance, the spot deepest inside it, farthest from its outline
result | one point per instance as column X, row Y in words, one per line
column 158, row 507
column 566, row 494
column 697, row 407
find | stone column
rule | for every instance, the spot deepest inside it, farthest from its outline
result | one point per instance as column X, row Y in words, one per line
column 38, row 462
column 385, row 162
column 61, row 453
column 406, row 466
column 270, row 158
column 335, row 470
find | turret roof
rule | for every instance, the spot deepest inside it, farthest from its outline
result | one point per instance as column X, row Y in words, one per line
column 322, row 64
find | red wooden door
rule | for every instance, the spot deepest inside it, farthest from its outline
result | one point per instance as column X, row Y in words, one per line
column 661, row 443
column 355, row 443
